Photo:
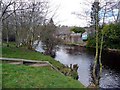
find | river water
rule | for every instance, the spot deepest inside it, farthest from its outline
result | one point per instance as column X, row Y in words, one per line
column 84, row 58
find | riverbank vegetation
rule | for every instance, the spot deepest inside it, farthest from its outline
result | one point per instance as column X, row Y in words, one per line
column 44, row 76
column 105, row 36
column 111, row 37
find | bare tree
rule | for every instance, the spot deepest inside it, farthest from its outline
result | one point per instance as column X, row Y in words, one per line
column 106, row 8
column 101, row 15
column 118, row 15
column 27, row 17
column 0, row 21
column 48, row 38
column 37, row 16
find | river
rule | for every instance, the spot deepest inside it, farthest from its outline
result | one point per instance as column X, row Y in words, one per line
column 84, row 58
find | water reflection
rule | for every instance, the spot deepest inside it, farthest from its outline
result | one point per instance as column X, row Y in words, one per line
column 72, row 56
column 84, row 58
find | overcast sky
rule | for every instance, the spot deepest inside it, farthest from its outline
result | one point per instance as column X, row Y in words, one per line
column 65, row 8
column 64, row 14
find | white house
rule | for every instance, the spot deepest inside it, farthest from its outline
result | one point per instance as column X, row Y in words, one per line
column 84, row 36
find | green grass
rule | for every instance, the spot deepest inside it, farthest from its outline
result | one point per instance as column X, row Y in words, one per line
column 20, row 76
column 0, row 74
column 13, row 52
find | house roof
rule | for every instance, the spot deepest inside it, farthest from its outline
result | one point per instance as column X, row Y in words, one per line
column 64, row 30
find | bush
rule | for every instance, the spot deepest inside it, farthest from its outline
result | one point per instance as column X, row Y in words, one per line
column 78, row 30
column 112, row 35
column 91, row 42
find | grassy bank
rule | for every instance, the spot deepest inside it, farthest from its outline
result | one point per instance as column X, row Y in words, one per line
column 21, row 76
column 33, row 77
column 24, row 53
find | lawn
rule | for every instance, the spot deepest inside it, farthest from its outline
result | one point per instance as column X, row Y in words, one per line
column 24, row 53
column 21, row 76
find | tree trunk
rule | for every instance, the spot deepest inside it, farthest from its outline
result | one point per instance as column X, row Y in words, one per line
column 96, row 63
column 7, row 40
column 30, row 45
column 0, row 22
column 7, row 33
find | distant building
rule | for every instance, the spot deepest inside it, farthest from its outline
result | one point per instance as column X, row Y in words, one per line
column 90, row 31
column 84, row 36
column 75, row 37
column 63, row 32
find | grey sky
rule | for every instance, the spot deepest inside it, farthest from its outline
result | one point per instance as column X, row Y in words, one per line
column 66, row 7
column 64, row 13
